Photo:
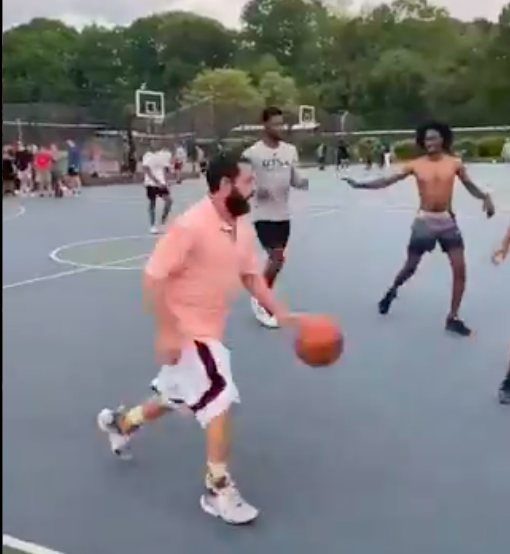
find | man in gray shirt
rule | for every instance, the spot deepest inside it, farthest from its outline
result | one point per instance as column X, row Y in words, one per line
column 274, row 165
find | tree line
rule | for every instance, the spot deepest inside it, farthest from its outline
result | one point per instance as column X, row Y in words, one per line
column 391, row 65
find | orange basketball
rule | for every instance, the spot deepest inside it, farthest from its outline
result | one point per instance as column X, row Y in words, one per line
column 319, row 341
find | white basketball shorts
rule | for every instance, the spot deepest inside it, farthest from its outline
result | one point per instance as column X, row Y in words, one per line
column 202, row 380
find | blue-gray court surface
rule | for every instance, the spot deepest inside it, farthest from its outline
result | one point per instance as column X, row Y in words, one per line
column 399, row 448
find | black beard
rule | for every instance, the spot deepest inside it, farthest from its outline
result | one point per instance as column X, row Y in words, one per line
column 237, row 204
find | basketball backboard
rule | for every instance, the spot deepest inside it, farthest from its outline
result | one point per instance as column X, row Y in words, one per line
column 307, row 116
column 149, row 104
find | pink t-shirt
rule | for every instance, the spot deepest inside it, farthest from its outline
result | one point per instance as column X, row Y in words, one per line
column 203, row 261
column 42, row 160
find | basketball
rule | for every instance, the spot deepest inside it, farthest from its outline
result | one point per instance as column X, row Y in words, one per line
column 319, row 341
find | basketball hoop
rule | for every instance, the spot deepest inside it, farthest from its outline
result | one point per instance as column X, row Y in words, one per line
column 307, row 116
column 149, row 104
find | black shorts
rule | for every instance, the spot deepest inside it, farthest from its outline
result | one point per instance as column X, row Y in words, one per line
column 72, row 171
column 157, row 192
column 426, row 235
column 273, row 234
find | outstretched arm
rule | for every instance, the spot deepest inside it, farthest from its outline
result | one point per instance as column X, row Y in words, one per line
column 475, row 191
column 381, row 183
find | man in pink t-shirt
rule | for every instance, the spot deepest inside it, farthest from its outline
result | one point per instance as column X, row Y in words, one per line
column 191, row 280
column 43, row 163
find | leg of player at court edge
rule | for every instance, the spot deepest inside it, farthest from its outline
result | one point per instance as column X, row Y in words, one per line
column 458, row 265
column 274, row 264
column 121, row 424
column 222, row 498
column 167, row 208
column 504, row 390
column 411, row 265
column 152, row 214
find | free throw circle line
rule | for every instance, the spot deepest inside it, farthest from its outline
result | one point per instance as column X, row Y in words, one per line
column 56, row 255
column 68, row 273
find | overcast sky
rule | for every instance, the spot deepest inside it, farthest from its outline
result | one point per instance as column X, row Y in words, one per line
column 122, row 11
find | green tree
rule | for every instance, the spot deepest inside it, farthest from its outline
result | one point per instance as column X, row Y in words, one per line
column 387, row 66
column 37, row 60
column 277, row 90
column 98, row 69
column 282, row 28
column 232, row 87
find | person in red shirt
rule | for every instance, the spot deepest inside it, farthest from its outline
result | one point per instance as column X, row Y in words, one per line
column 43, row 164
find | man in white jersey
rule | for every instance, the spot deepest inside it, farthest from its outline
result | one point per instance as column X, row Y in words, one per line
column 157, row 164
column 274, row 164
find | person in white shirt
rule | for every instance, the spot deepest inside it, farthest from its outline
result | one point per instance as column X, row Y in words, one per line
column 505, row 153
column 275, row 167
column 157, row 165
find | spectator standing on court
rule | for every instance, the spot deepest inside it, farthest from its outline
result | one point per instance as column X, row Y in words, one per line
column 43, row 165
column 23, row 160
column 180, row 157
column 73, row 167
column 8, row 171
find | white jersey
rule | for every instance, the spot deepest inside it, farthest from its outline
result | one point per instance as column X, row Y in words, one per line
column 505, row 154
column 180, row 154
column 275, row 173
column 159, row 163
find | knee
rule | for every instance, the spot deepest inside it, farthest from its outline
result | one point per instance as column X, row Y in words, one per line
column 277, row 257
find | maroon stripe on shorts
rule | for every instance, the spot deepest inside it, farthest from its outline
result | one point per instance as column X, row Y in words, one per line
column 217, row 381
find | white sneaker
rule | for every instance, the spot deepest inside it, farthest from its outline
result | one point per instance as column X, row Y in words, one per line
column 229, row 505
column 263, row 317
column 154, row 230
column 107, row 421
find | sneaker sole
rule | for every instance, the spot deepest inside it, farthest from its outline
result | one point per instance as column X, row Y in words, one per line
column 208, row 509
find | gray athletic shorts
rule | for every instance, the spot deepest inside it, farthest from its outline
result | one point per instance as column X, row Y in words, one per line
column 431, row 229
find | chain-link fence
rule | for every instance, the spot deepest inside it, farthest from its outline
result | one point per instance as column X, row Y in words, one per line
column 212, row 121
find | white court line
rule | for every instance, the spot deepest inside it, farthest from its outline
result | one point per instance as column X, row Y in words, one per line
column 55, row 255
column 76, row 271
column 26, row 547
column 113, row 200
column 20, row 211
column 83, row 269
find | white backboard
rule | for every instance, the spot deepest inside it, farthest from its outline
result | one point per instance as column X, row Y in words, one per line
column 307, row 116
column 149, row 104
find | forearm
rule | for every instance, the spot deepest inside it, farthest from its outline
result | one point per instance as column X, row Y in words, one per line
column 505, row 245
column 376, row 184
column 475, row 191
column 256, row 285
column 154, row 292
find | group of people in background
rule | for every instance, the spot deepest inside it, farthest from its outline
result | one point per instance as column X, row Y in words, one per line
column 30, row 170
column 376, row 154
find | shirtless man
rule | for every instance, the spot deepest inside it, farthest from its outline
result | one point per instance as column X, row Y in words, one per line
column 435, row 222
column 498, row 257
